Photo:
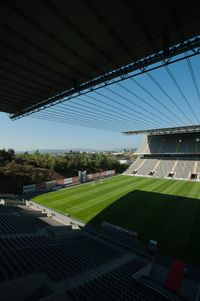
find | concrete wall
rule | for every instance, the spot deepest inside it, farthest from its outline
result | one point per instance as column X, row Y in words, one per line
column 62, row 218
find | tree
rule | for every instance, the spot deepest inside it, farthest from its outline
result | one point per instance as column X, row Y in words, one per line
column 6, row 156
column 11, row 153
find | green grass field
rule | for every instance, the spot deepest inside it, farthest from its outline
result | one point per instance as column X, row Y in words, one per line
column 165, row 210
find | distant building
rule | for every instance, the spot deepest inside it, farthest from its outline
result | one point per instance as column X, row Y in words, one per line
column 123, row 161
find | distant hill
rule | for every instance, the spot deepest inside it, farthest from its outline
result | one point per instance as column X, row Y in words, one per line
column 48, row 151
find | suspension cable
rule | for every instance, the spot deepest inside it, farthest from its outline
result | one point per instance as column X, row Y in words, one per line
column 125, row 98
column 76, row 121
column 123, row 105
column 158, row 101
column 192, row 75
column 168, row 96
column 107, row 115
column 181, row 92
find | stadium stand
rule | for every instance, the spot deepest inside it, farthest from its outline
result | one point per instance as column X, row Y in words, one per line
column 147, row 167
column 81, row 264
column 50, row 53
column 170, row 155
column 119, row 284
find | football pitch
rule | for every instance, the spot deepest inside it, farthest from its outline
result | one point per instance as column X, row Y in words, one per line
column 164, row 210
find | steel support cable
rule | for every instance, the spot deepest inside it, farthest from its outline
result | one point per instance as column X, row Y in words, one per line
column 141, row 114
column 80, row 114
column 151, row 42
column 118, row 114
column 64, row 113
column 132, row 122
column 192, row 75
column 91, row 116
column 181, row 92
column 78, row 117
column 143, row 100
column 127, row 112
column 107, row 110
column 78, row 123
column 70, row 117
column 158, row 101
column 125, row 98
column 92, row 110
column 79, row 32
column 74, row 114
column 81, row 122
column 47, row 103
column 167, row 95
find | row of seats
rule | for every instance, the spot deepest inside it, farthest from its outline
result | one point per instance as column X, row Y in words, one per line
column 179, row 168
column 117, row 285
column 25, row 241
column 176, row 143
column 10, row 224
column 7, row 209
column 119, row 230
column 62, row 259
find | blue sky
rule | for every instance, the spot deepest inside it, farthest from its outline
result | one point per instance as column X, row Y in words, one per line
column 131, row 114
column 28, row 133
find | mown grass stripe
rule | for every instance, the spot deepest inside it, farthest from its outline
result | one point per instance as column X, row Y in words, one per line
column 165, row 210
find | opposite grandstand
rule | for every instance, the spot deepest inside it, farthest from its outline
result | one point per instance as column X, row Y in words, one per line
column 169, row 154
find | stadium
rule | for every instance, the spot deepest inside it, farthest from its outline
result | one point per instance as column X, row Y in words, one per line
column 105, row 236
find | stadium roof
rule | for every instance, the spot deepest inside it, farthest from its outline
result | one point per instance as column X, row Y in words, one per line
column 51, row 49
column 167, row 131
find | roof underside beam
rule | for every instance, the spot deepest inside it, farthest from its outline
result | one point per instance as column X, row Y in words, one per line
column 167, row 131
column 165, row 57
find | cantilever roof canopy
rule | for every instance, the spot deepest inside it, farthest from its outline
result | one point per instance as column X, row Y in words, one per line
column 167, row 131
column 50, row 46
